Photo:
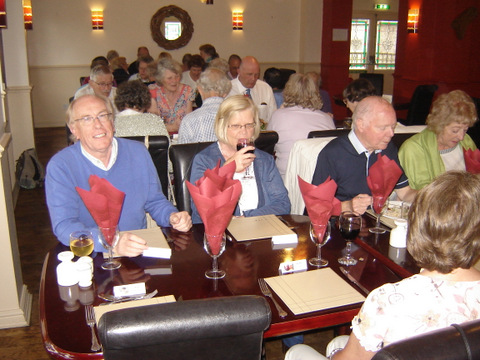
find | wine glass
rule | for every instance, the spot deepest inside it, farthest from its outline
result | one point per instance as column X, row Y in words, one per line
column 320, row 235
column 214, row 245
column 379, row 204
column 241, row 143
column 108, row 237
column 81, row 242
column 350, row 224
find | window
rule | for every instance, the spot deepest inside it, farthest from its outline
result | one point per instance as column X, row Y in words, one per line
column 383, row 46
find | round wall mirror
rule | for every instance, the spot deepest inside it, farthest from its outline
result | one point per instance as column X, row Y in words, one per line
column 171, row 27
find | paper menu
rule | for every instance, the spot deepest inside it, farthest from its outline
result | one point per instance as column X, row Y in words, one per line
column 157, row 244
column 260, row 227
column 100, row 310
column 314, row 290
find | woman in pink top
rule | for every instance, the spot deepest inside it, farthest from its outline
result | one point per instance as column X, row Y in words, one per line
column 300, row 114
column 171, row 99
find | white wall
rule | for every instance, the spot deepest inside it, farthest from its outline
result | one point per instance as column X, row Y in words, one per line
column 62, row 43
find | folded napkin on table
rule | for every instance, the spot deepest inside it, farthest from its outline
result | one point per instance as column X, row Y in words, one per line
column 320, row 202
column 382, row 178
column 472, row 160
column 216, row 195
column 103, row 201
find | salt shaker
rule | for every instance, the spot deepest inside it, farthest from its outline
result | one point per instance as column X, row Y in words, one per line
column 84, row 274
column 398, row 235
column 66, row 271
column 88, row 260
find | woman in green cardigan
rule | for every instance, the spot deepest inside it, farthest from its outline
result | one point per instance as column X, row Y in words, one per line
column 440, row 146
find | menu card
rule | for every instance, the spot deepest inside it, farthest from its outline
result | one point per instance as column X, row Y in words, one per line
column 100, row 310
column 261, row 227
column 314, row 290
column 157, row 244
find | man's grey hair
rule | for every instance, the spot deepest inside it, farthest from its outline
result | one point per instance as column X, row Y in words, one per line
column 100, row 70
column 215, row 80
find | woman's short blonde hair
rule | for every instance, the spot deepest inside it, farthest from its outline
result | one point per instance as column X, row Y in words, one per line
column 301, row 90
column 228, row 108
column 455, row 106
column 444, row 223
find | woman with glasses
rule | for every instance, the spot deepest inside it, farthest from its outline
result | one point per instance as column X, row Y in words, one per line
column 263, row 191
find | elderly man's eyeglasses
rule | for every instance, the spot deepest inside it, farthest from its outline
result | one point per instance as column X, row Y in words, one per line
column 238, row 127
column 102, row 84
column 90, row 120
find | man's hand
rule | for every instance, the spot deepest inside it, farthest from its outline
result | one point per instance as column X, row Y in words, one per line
column 130, row 245
column 359, row 204
column 181, row 221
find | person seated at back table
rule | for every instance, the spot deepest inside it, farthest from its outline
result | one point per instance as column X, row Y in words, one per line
column 356, row 91
column 300, row 114
column 440, row 146
column 126, row 164
column 100, row 83
column 445, row 245
column 143, row 74
column 263, row 193
column 198, row 126
column 347, row 158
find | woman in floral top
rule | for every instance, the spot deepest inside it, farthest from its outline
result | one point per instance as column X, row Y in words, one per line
column 444, row 240
column 171, row 99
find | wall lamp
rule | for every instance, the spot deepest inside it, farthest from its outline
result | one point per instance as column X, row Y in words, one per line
column 27, row 15
column 412, row 21
column 237, row 20
column 3, row 15
column 97, row 19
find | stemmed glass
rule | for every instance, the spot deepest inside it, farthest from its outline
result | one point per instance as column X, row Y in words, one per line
column 214, row 245
column 320, row 235
column 81, row 242
column 241, row 143
column 350, row 224
column 108, row 237
column 380, row 203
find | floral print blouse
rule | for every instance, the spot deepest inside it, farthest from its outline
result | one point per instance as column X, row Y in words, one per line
column 179, row 110
column 413, row 306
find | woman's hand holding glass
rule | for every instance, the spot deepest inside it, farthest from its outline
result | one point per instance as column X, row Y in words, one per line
column 243, row 158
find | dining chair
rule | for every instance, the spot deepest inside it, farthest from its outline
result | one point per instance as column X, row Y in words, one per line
column 214, row 328
column 327, row 133
column 158, row 148
column 266, row 141
column 419, row 105
column 457, row 342
column 181, row 156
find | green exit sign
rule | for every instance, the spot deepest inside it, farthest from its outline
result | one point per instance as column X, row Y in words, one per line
column 382, row 6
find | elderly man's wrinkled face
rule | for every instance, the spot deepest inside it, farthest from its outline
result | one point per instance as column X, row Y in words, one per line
column 102, row 85
column 376, row 132
column 93, row 126
column 248, row 74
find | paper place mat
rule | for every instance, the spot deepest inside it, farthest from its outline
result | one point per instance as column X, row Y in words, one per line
column 260, row 227
column 314, row 290
column 384, row 220
column 100, row 310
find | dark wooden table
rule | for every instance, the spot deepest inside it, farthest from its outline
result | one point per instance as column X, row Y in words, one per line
column 67, row 336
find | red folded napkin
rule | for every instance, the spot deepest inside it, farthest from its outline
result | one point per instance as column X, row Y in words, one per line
column 382, row 178
column 472, row 160
column 320, row 202
column 216, row 195
column 103, row 201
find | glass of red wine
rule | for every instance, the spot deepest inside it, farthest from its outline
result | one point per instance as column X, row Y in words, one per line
column 350, row 224
column 241, row 143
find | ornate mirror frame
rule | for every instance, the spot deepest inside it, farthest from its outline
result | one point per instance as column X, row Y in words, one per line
column 157, row 21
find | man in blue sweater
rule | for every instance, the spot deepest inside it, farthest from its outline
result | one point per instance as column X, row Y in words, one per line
column 126, row 164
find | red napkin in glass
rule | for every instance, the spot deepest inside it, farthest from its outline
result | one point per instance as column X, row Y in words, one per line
column 382, row 178
column 472, row 160
column 103, row 201
column 216, row 195
column 320, row 202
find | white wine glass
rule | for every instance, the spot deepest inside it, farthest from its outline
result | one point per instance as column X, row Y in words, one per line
column 81, row 243
column 379, row 204
column 108, row 237
column 350, row 224
column 320, row 235
column 214, row 245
